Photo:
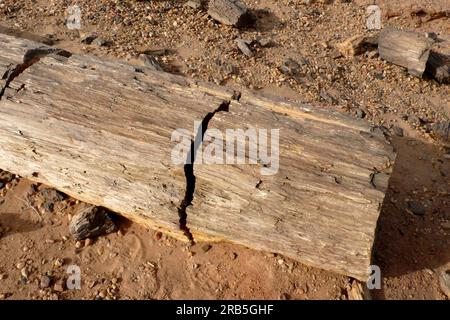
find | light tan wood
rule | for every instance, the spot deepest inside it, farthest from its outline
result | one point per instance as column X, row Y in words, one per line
column 230, row 12
column 357, row 44
column 101, row 130
column 321, row 206
column 405, row 48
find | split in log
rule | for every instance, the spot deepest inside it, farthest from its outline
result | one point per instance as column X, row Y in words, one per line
column 230, row 12
column 105, row 132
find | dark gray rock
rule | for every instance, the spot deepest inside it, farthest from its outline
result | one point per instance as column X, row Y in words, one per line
column 90, row 222
column 417, row 208
column 51, row 195
column 414, row 120
column 87, row 39
column 360, row 113
column 441, row 130
column 397, row 131
column 206, row 247
column 150, row 62
column 290, row 67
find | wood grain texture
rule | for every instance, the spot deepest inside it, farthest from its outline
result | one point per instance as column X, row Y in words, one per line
column 101, row 130
column 405, row 48
column 229, row 12
column 320, row 208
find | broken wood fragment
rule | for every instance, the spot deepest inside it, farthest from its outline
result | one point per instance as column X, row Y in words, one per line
column 90, row 222
column 230, row 12
column 405, row 48
column 356, row 45
column 150, row 62
column 244, row 46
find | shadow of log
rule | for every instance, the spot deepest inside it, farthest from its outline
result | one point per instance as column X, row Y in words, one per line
column 407, row 239
column 263, row 20
column 12, row 223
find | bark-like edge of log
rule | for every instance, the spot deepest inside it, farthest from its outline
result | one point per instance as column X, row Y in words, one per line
column 30, row 57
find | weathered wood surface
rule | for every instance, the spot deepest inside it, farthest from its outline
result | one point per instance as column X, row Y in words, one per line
column 230, row 12
column 90, row 221
column 357, row 44
column 405, row 48
column 438, row 66
column 320, row 207
column 101, row 130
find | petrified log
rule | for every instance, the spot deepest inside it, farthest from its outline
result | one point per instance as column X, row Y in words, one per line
column 108, row 133
column 230, row 12
column 405, row 48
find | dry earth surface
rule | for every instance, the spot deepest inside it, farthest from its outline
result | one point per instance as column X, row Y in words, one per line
column 413, row 240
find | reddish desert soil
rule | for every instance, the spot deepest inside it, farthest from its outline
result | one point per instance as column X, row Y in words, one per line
column 413, row 250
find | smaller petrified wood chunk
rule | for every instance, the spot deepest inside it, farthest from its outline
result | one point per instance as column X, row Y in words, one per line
column 90, row 222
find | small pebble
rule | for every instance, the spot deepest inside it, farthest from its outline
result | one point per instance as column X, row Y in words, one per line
column 398, row 131
column 206, row 247
column 24, row 272
column 360, row 113
column 416, row 208
column 88, row 38
column 445, row 225
column 87, row 242
column 102, row 294
column 58, row 263
column 59, row 286
column 45, row 282
column 100, row 42
column 193, row 4
column 20, row 265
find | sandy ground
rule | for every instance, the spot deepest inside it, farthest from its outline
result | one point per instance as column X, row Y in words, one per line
column 412, row 250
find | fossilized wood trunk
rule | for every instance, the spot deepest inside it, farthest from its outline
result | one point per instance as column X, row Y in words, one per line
column 405, row 48
column 101, row 131
column 230, row 12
